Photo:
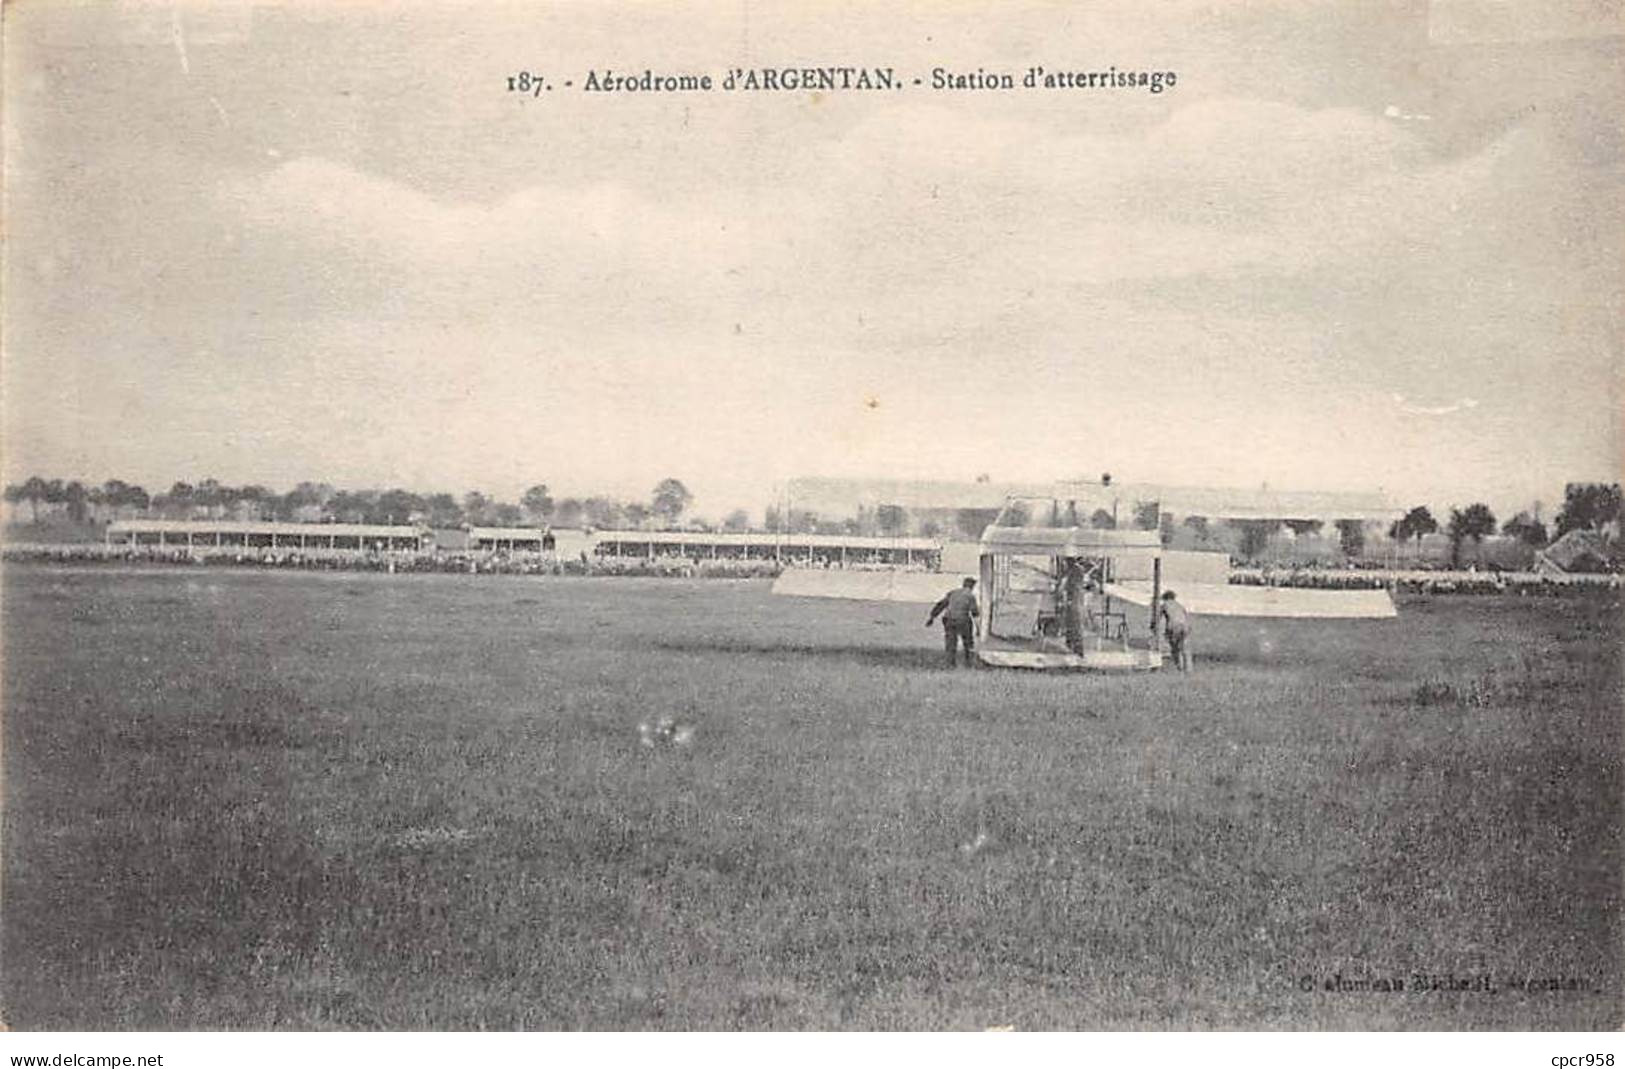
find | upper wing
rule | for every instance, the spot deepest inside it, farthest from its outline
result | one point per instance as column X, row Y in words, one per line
column 924, row 588
column 1211, row 599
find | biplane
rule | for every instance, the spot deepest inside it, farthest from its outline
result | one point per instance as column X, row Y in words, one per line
column 1060, row 593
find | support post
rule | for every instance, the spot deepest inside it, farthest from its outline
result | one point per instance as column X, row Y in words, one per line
column 1156, row 596
column 989, row 597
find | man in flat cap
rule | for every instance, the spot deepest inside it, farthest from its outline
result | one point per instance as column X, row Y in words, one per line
column 959, row 613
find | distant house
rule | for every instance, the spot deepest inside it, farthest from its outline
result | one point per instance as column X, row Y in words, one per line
column 1575, row 552
column 963, row 509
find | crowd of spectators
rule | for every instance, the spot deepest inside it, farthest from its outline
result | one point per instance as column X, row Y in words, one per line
column 1412, row 581
column 1420, row 581
column 443, row 561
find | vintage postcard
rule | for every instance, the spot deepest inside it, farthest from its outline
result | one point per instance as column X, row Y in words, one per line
column 810, row 517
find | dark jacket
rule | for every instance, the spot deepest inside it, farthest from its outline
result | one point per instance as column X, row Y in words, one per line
column 957, row 606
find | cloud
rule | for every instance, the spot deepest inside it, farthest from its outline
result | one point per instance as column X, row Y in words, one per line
column 929, row 223
column 1413, row 409
column 1216, row 268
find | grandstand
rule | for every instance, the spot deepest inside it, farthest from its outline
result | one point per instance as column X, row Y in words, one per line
column 511, row 540
column 828, row 551
column 209, row 534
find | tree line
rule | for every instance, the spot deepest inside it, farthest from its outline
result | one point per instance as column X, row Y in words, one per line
column 1586, row 507
column 321, row 502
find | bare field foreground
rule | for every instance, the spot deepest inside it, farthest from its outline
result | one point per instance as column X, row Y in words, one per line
column 240, row 800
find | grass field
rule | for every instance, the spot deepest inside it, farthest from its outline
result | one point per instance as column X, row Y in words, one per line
column 267, row 801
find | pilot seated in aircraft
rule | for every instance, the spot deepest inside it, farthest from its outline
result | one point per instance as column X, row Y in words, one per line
column 959, row 613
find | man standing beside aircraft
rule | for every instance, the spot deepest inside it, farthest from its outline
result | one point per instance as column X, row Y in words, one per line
column 959, row 613
column 1176, row 625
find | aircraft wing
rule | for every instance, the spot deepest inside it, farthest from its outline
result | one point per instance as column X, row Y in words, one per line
column 922, row 588
column 1212, row 599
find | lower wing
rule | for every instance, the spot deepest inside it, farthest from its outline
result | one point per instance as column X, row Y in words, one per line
column 1212, row 599
column 922, row 588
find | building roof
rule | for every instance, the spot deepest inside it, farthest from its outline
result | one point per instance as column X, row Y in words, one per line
column 507, row 534
column 1567, row 551
column 839, row 497
column 248, row 527
column 1070, row 542
column 827, row 496
column 1264, row 503
column 794, row 541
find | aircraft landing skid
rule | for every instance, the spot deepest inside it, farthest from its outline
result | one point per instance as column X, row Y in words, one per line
column 1113, row 660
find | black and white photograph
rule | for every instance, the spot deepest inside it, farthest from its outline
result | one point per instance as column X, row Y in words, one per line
column 726, row 517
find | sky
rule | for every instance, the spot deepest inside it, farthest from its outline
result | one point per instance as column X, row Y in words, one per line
column 1355, row 247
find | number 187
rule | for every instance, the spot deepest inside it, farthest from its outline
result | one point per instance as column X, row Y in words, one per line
column 526, row 82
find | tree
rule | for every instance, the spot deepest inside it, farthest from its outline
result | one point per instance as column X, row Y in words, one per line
column 33, row 490
column 1351, row 537
column 737, row 520
column 1303, row 528
column 568, row 513
column 352, row 506
column 443, row 510
column 1255, row 536
column 537, row 503
column 931, row 529
column 258, row 499
column 114, row 494
column 773, row 519
column 671, row 498
column 305, row 495
column 210, row 495
column 970, row 523
column 1526, row 529
column 397, row 506
column 475, row 506
column 74, row 494
column 637, row 514
column 892, row 519
column 1588, row 507
column 1102, row 520
column 1418, row 523
column 1199, row 525
column 136, row 497
column 1166, row 528
column 602, row 512
column 179, row 497
column 1475, row 522
column 507, row 514
column 1147, row 515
